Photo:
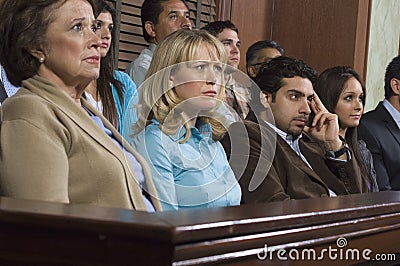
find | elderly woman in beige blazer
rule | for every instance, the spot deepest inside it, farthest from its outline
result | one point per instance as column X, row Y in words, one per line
column 54, row 145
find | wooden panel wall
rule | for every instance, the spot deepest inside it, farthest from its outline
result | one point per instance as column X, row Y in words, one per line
column 131, row 41
column 207, row 14
column 323, row 33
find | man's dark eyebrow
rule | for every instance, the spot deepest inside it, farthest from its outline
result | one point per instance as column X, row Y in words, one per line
column 299, row 93
column 312, row 96
column 226, row 40
column 173, row 11
column 296, row 92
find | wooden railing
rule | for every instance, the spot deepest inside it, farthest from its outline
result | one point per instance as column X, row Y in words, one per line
column 297, row 232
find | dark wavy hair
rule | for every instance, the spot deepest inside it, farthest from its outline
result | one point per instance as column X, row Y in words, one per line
column 106, row 77
column 392, row 71
column 216, row 27
column 329, row 85
column 271, row 74
column 23, row 28
column 151, row 10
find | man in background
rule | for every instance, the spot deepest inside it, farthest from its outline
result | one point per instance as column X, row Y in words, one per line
column 257, row 54
column 260, row 52
column 160, row 18
column 237, row 96
column 380, row 129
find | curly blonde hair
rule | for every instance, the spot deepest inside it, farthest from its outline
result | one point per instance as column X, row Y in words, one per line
column 158, row 99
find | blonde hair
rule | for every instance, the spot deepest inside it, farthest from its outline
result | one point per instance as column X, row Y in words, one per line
column 157, row 99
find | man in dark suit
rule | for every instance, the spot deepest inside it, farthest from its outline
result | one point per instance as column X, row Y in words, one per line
column 380, row 129
column 277, row 157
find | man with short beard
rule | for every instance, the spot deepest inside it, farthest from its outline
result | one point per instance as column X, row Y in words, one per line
column 159, row 18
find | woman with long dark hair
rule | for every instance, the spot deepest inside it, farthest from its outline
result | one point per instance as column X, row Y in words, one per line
column 343, row 92
column 111, row 92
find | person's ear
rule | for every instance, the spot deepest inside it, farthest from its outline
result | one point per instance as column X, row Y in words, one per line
column 265, row 99
column 150, row 29
column 395, row 85
column 251, row 71
column 38, row 54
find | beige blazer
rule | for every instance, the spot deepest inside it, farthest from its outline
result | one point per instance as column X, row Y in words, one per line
column 51, row 150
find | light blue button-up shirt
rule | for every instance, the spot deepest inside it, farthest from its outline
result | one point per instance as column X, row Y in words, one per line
column 193, row 174
column 10, row 89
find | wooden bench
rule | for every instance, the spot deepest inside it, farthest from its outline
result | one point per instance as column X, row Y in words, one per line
column 43, row 233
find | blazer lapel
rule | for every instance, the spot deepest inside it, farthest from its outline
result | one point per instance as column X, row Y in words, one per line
column 50, row 92
column 394, row 130
column 298, row 162
column 134, row 187
column 314, row 156
column 63, row 101
column 3, row 93
column 390, row 123
column 150, row 188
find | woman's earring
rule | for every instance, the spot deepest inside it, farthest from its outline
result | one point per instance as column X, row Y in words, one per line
column 41, row 59
column 170, row 84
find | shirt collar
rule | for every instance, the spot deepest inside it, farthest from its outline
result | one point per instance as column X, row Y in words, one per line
column 283, row 134
column 392, row 111
column 201, row 130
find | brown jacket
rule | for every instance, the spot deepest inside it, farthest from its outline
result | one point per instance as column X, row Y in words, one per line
column 272, row 171
column 51, row 150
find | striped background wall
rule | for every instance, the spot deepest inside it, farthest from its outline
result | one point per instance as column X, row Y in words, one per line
column 129, row 41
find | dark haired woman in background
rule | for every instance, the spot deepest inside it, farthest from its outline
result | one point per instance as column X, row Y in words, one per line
column 111, row 92
column 342, row 91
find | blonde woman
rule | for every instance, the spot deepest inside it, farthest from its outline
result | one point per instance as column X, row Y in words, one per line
column 178, row 106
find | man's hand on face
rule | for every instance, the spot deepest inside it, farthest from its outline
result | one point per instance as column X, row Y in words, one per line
column 325, row 126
